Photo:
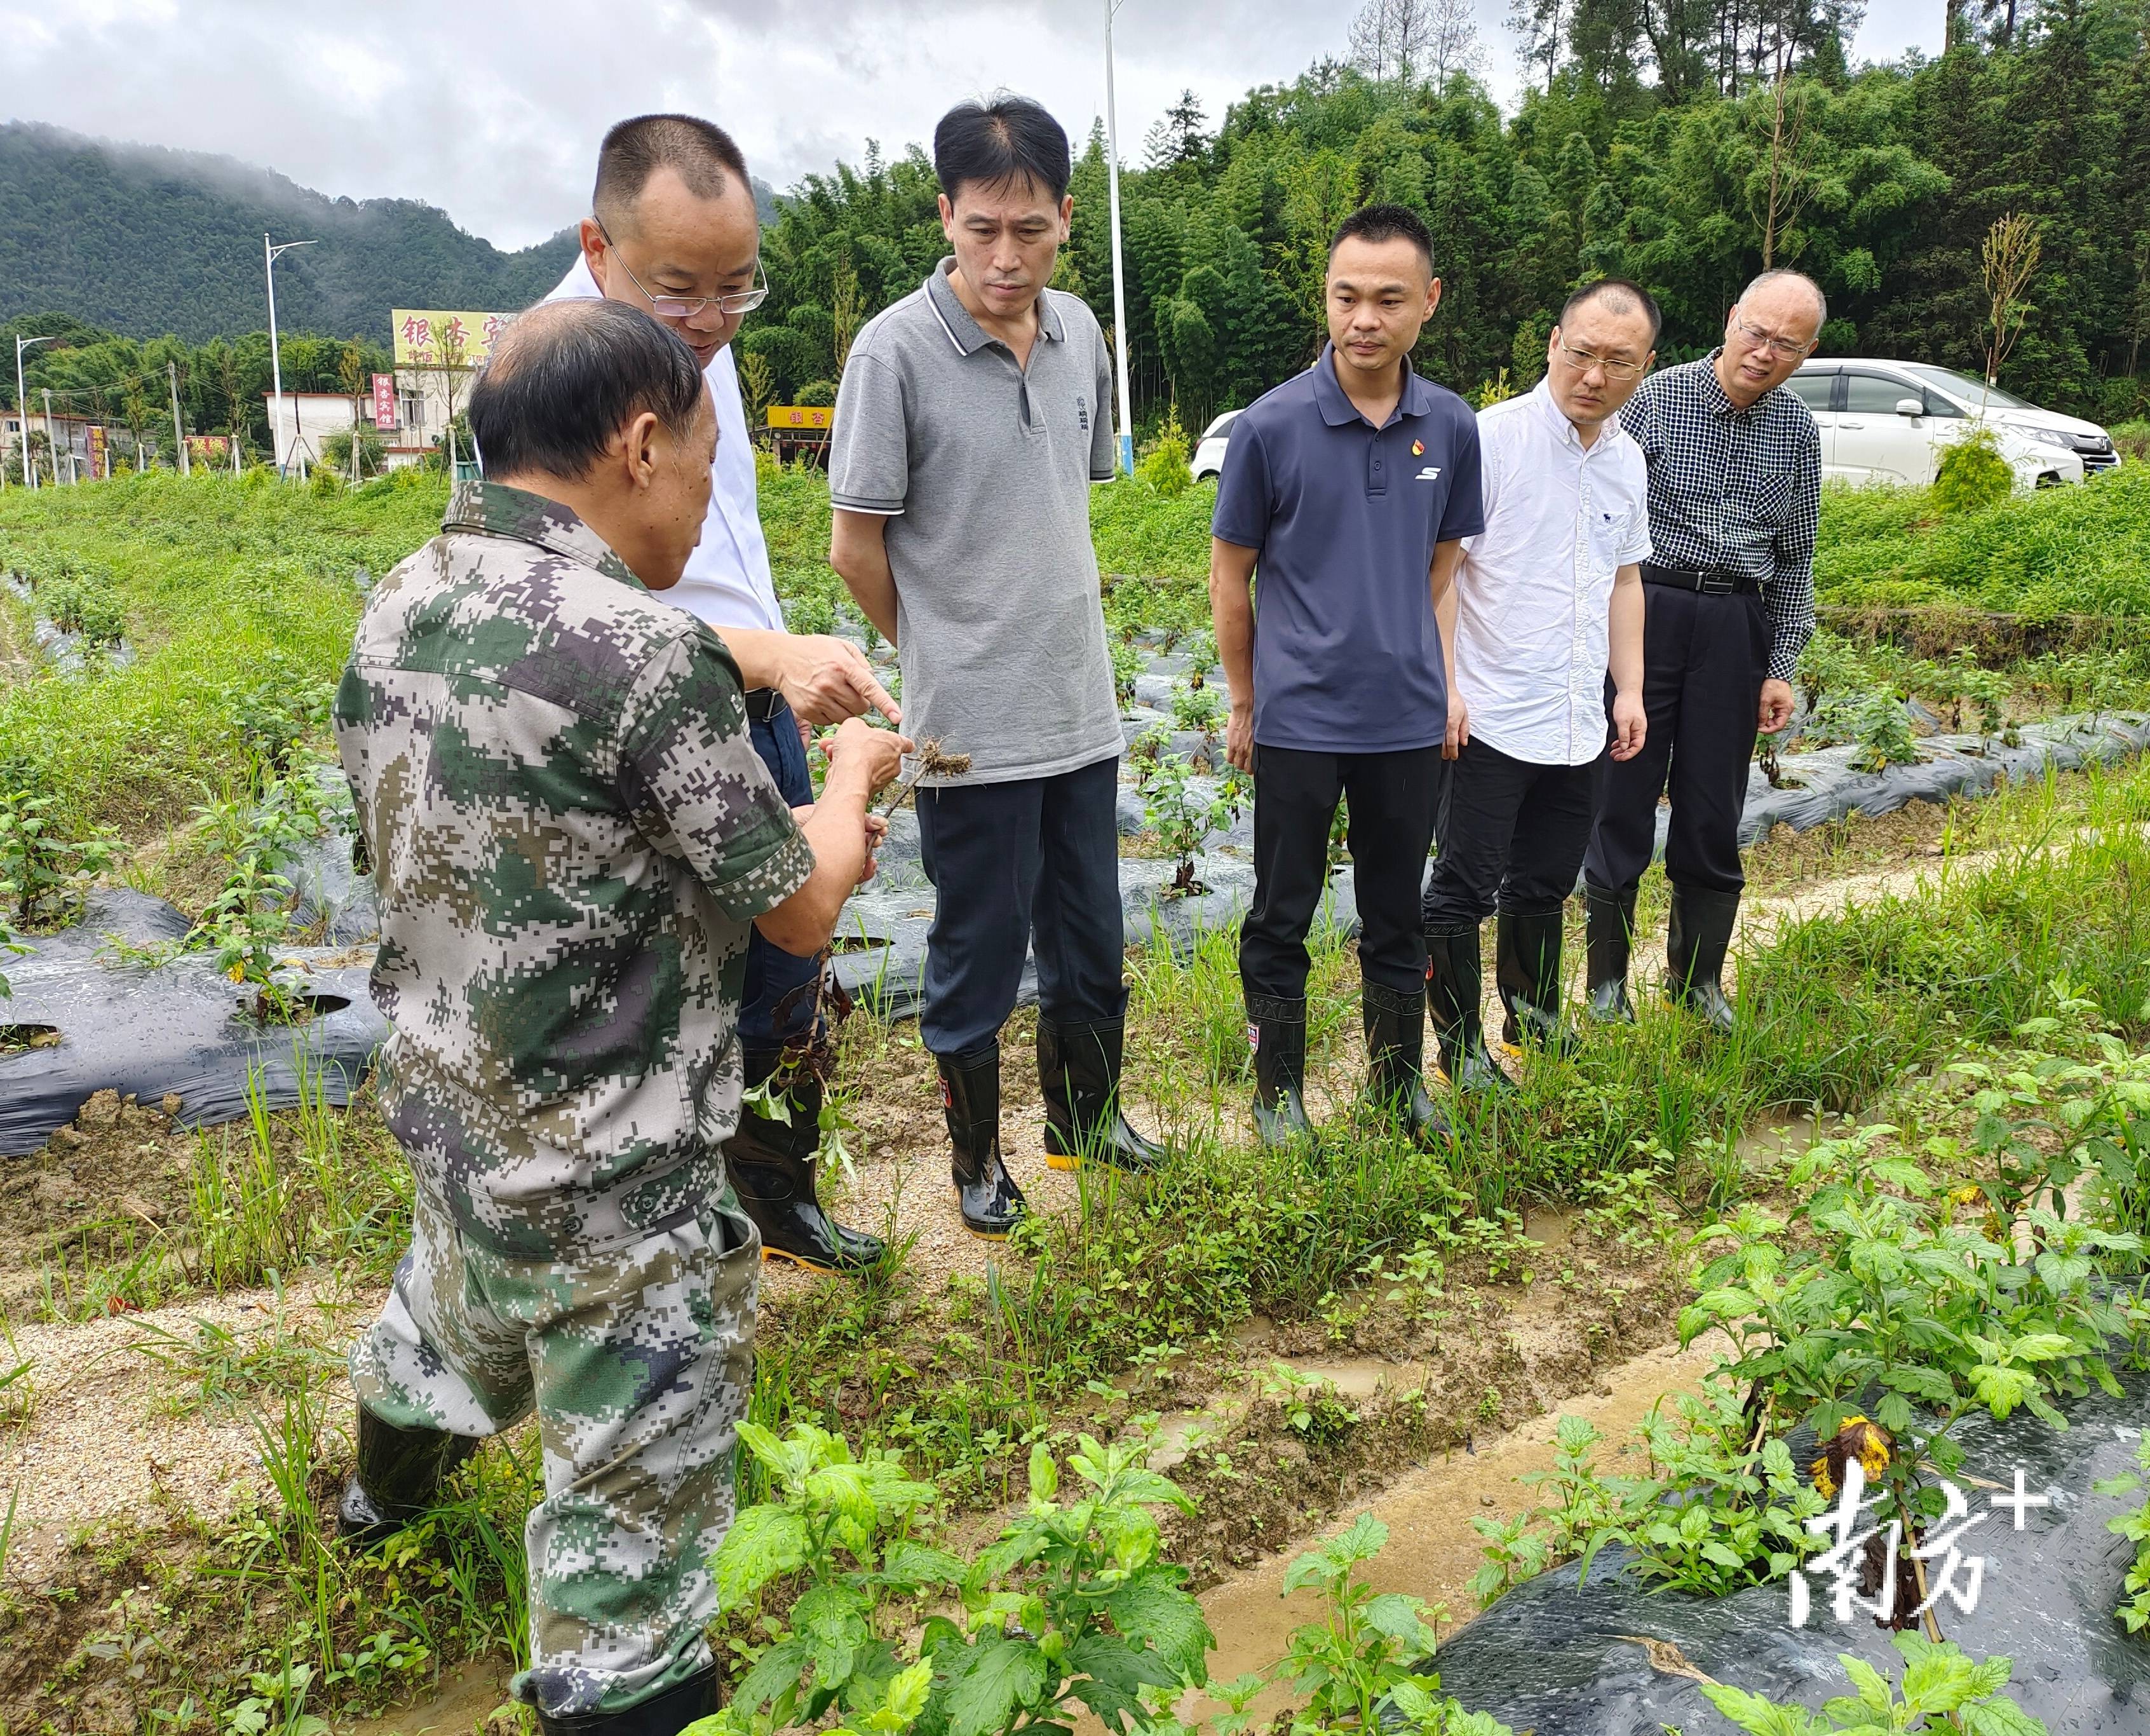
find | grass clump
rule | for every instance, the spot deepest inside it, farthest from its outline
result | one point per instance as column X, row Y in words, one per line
column 1973, row 475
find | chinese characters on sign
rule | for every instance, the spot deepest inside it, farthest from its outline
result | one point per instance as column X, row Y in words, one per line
column 433, row 338
column 384, row 400
column 1948, row 1571
column 99, row 465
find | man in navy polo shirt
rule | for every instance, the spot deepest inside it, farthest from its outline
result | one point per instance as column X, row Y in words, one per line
column 1350, row 488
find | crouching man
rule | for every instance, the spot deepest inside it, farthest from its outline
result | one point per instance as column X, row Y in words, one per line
column 572, row 837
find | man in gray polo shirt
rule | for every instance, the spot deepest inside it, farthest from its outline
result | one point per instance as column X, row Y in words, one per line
column 970, row 425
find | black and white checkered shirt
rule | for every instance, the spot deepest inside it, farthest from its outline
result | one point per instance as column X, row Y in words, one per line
column 1734, row 491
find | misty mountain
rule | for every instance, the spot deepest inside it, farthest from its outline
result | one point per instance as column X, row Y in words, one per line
column 142, row 240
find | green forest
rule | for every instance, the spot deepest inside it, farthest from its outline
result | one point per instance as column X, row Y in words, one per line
column 1685, row 143
column 142, row 241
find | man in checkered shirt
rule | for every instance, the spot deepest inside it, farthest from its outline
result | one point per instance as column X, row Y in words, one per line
column 1734, row 495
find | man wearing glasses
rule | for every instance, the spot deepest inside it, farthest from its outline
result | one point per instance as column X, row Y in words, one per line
column 672, row 230
column 1549, row 600
column 1734, row 497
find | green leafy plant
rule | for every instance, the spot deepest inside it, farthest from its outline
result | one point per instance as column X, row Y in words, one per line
column 840, row 1521
column 1721, row 1513
column 1362, row 1668
column 241, row 928
column 273, row 715
column 1576, row 1503
column 2134, row 1610
column 1196, row 707
column 1129, row 662
column 1183, row 815
column 1513, row 1552
column 1973, row 475
column 1984, row 690
column 44, row 874
column 82, row 606
column 1313, row 1409
column 1874, row 1287
column 1942, row 1689
column 1071, row 1606
column 2044, row 1121
column 1882, row 730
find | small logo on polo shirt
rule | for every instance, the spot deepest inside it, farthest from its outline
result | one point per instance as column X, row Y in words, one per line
column 1429, row 473
column 1418, row 449
column 1083, row 413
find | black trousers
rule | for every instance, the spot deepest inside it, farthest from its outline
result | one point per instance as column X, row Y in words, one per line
column 1034, row 863
column 1513, row 836
column 1704, row 658
column 1392, row 797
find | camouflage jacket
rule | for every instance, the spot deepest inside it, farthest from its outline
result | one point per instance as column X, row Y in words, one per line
column 570, row 834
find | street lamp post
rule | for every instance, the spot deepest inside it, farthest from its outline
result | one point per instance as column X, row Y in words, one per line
column 22, row 409
column 269, row 251
column 1119, row 269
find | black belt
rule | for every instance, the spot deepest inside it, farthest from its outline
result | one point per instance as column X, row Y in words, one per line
column 1714, row 584
column 763, row 704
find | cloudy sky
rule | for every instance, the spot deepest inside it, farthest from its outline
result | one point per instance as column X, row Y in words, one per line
column 491, row 109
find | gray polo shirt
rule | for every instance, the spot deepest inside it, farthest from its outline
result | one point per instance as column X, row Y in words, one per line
column 983, row 469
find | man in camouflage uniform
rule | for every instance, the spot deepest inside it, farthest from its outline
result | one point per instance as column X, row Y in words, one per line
column 572, row 836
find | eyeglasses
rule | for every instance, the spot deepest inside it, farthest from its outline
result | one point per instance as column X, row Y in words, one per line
column 684, row 307
column 1582, row 361
column 1782, row 348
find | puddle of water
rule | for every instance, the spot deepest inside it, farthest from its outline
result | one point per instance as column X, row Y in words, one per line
column 1549, row 1226
column 1433, row 1551
column 462, row 1704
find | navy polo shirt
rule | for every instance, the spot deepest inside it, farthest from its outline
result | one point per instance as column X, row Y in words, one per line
column 1344, row 516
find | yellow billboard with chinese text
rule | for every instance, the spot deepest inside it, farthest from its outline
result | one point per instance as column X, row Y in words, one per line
column 434, row 338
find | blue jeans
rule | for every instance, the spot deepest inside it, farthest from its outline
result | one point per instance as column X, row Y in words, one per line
column 777, row 1004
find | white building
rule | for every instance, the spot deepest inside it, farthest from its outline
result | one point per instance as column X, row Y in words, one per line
column 309, row 417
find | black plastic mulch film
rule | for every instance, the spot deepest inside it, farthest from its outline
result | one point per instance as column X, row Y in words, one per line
column 175, row 1029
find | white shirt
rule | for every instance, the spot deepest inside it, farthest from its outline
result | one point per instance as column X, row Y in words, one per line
column 727, row 581
column 1533, row 631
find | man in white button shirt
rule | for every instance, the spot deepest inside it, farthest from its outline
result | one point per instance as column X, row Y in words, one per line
column 672, row 230
column 1550, row 602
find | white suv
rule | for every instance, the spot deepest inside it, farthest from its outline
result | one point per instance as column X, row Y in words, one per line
column 1890, row 421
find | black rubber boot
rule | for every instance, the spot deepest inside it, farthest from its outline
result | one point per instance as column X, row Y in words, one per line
column 1078, row 1069
column 1696, row 940
column 664, row 1715
column 1395, row 1059
column 1278, row 1027
column 771, row 1166
column 1454, row 996
column 986, row 1193
column 1609, row 934
column 399, row 1475
column 1526, row 969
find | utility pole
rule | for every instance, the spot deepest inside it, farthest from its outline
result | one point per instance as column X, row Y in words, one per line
column 179, row 429
column 52, row 446
column 1119, row 268
column 22, row 412
column 270, row 252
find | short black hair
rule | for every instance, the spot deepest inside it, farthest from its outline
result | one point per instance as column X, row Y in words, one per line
column 700, row 152
column 1386, row 222
column 567, row 377
column 1622, row 295
column 1001, row 140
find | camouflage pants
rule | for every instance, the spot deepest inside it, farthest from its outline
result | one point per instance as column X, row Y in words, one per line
column 640, row 1363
